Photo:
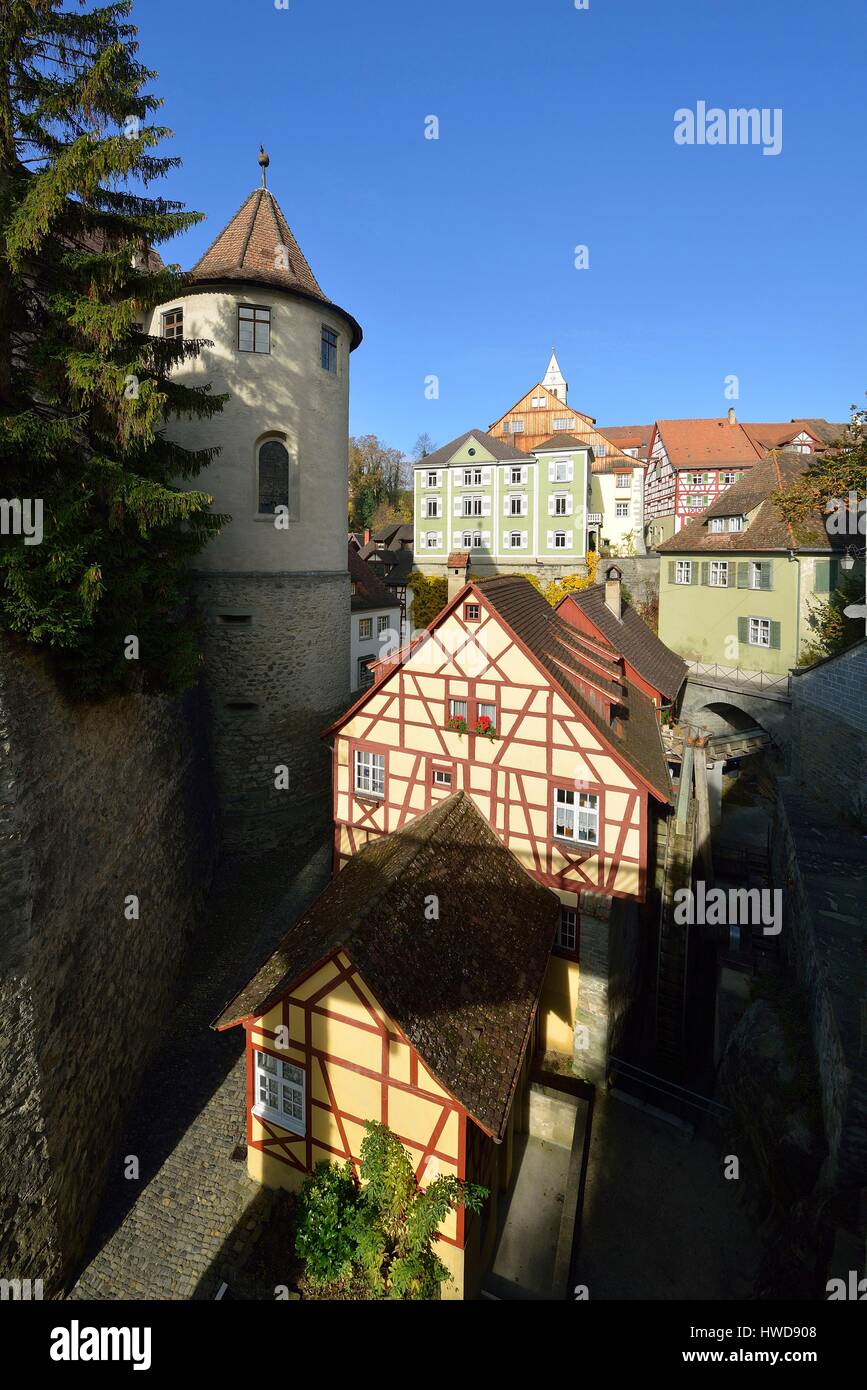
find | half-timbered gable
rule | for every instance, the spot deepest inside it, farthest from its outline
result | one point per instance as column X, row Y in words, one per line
column 406, row 994
column 539, row 724
column 565, row 769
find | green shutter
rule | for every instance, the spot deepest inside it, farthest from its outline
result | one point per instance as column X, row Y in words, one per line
column 822, row 583
column 767, row 575
column 743, row 574
column 705, row 571
column 671, row 565
column 693, row 571
column 743, row 629
column 775, row 636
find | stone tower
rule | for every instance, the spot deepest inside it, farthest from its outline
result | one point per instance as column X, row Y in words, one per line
column 273, row 587
column 555, row 380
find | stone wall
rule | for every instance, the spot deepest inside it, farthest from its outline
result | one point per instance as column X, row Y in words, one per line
column 609, row 967
column 97, row 803
column 820, row 868
column 277, row 672
column 830, row 758
column 640, row 574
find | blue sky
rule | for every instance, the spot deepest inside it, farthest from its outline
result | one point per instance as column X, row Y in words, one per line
column 556, row 130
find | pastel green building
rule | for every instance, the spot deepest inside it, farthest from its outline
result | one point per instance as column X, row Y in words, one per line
column 737, row 586
column 512, row 511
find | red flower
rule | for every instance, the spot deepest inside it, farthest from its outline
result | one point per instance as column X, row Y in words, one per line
column 484, row 724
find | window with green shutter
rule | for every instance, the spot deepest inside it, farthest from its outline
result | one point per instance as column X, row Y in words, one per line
column 827, row 575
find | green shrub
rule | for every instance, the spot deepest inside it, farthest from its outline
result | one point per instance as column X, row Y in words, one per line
column 325, row 1238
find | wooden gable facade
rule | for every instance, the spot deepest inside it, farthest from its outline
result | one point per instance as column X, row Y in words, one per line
column 558, row 792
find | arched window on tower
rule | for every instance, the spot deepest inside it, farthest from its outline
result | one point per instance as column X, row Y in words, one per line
column 277, row 481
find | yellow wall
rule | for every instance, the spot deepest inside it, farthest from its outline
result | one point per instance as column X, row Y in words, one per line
column 510, row 781
column 347, row 1050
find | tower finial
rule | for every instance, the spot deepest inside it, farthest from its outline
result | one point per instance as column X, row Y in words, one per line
column 264, row 161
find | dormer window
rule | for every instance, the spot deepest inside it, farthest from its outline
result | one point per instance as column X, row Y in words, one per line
column 725, row 523
column 254, row 328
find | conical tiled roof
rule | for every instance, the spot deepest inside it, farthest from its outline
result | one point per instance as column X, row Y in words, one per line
column 258, row 248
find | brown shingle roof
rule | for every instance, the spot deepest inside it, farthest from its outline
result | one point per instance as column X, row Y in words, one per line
column 370, row 591
column 496, row 447
column 463, row 988
column 258, row 247
column 652, row 659
column 765, row 529
column 561, row 443
column 558, row 647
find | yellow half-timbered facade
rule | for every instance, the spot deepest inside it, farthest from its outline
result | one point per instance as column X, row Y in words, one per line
column 538, row 723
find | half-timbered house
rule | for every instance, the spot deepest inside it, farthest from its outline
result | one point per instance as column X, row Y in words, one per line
column 540, row 725
column 408, row 993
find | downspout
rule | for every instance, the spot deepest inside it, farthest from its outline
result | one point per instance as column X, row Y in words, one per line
column 794, row 556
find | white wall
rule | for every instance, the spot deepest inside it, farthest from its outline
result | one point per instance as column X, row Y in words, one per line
column 286, row 393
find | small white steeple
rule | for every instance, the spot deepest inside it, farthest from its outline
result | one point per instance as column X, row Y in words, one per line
column 555, row 380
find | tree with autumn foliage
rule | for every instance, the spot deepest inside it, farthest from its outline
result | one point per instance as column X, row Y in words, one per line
column 376, row 474
column 85, row 392
column 833, row 486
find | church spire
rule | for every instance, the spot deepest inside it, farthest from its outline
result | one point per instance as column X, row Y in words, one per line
column 555, row 380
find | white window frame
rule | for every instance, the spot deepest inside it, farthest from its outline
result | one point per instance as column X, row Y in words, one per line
column 432, row 509
column 520, row 539
column 562, row 423
column 289, row 1081
column 365, row 629
column 472, row 506
column 368, row 773
column 567, row 932
column 486, row 708
column 382, row 623
column 578, row 809
column 516, row 504
column 442, row 777
column 519, row 480
column 719, row 568
column 455, row 713
column 621, row 509
column 683, row 572
column 432, row 473
column 757, row 627
column 561, row 504
column 563, row 471
column 559, row 540
column 755, row 573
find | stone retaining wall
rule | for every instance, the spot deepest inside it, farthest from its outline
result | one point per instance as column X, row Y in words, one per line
column 97, row 803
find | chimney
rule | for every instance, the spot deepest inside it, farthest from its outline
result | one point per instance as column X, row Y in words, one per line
column 733, row 419
column 613, row 597
column 367, row 535
column 459, row 563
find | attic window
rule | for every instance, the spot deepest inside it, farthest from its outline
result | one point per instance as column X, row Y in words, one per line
column 538, row 402
column 472, row 612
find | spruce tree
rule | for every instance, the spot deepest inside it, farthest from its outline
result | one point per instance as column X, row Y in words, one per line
column 85, row 393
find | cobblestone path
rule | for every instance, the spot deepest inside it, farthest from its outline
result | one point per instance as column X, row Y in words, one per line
column 190, row 1219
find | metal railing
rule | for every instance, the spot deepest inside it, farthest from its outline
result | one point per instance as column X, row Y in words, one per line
column 736, row 675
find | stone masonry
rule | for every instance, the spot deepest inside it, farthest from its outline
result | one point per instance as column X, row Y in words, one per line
column 277, row 662
column 97, row 803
